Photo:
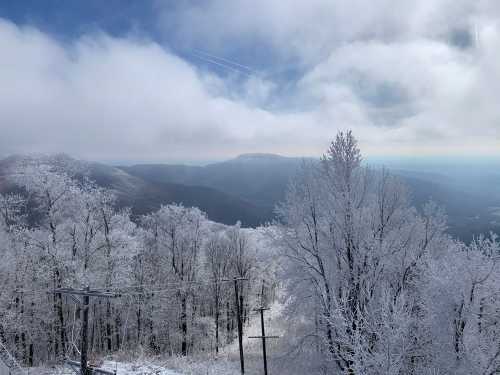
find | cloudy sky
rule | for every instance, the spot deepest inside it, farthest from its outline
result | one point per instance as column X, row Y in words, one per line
column 207, row 80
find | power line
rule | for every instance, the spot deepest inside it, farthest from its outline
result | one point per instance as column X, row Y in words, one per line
column 133, row 290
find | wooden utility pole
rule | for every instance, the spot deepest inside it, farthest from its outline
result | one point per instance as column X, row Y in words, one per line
column 83, row 367
column 239, row 313
column 263, row 337
column 85, row 327
column 240, row 325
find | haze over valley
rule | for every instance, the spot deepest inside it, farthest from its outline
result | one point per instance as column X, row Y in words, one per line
column 248, row 187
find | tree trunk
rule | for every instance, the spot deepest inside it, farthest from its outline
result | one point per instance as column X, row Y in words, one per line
column 217, row 327
column 108, row 327
column 184, row 325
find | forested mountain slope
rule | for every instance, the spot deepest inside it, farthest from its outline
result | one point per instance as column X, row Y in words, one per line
column 248, row 188
column 262, row 179
column 146, row 195
column 258, row 178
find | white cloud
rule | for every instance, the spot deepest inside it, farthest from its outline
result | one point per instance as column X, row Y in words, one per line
column 407, row 77
column 124, row 99
column 423, row 73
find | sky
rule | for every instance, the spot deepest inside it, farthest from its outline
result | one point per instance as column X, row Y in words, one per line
column 193, row 81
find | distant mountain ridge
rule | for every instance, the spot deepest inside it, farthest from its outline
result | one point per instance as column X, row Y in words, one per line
column 248, row 187
column 144, row 196
column 257, row 178
column 262, row 180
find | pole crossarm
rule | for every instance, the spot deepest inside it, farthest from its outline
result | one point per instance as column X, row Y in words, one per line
column 84, row 292
column 263, row 336
column 235, row 279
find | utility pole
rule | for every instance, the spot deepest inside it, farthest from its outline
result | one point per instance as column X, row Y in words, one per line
column 240, row 325
column 263, row 337
column 85, row 327
column 83, row 367
column 239, row 313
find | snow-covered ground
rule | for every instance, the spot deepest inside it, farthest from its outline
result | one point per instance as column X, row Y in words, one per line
column 175, row 367
column 138, row 369
column 227, row 363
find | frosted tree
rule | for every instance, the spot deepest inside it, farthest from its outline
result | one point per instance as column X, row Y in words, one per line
column 353, row 240
column 464, row 296
column 55, row 196
column 75, row 238
column 217, row 255
column 177, row 235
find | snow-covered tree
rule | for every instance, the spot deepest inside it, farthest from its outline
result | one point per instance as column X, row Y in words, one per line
column 357, row 252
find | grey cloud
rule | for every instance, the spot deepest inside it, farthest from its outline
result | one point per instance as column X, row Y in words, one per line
column 306, row 32
column 399, row 79
column 109, row 98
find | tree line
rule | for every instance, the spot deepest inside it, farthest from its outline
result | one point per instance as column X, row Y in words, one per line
column 169, row 267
